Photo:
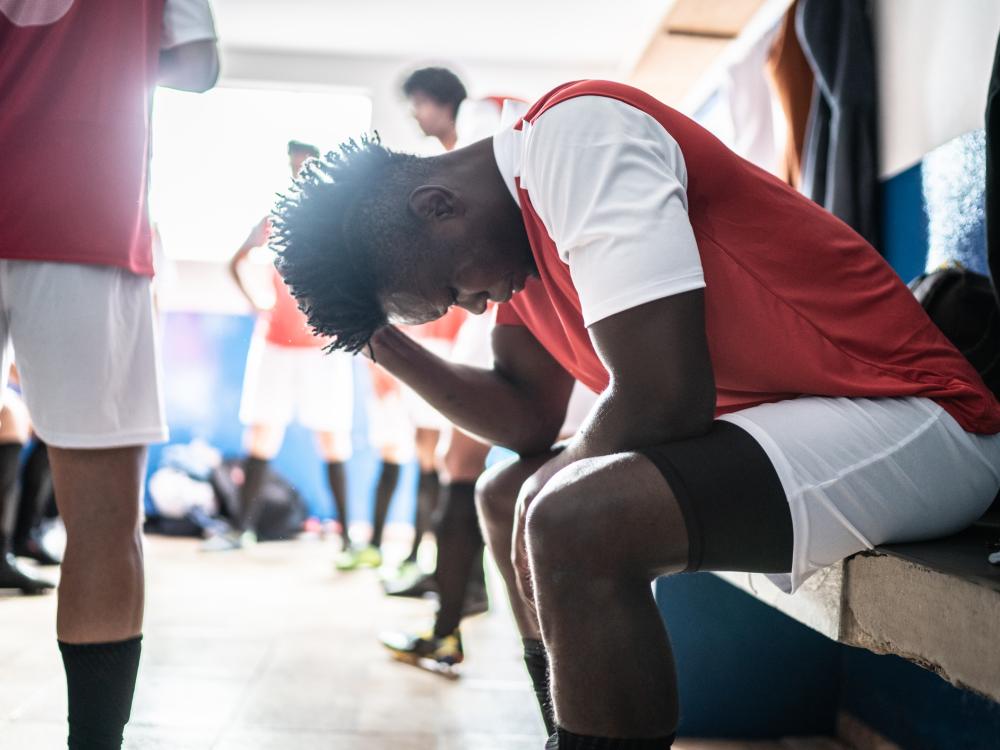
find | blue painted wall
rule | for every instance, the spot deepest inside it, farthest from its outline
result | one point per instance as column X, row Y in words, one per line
column 204, row 356
column 744, row 669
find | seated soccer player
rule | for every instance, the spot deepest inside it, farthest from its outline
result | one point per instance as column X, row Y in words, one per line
column 773, row 399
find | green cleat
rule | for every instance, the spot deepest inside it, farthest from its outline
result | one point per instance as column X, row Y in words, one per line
column 369, row 557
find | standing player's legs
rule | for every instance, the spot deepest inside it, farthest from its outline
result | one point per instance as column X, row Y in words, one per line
column 266, row 408
column 325, row 405
column 14, row 433
column 96, row 425
column 393, row 433
column 335, row 448
column 101, row 588
column 428, row 487
column 263, row 441
column 460, row 576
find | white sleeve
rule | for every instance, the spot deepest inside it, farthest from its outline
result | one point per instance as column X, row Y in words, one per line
column 186, row 21
column 609, row 184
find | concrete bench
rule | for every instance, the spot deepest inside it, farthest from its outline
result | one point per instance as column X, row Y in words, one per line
column 934, row 603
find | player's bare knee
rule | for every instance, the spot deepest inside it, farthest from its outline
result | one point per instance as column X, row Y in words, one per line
column 496, row 492
column 551, row 531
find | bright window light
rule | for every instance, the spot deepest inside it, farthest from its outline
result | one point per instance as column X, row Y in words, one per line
column 219, row 158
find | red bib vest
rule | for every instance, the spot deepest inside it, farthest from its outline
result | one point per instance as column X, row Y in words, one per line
column 797, row 303
column 74, row 133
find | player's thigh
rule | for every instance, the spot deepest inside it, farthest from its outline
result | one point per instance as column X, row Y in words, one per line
column 713, row 502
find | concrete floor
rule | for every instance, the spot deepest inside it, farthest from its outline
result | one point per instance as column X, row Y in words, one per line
column 272, row 650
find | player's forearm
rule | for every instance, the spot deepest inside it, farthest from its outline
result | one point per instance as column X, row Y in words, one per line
column 625, row 420
column 478, row 400
column 234, row 273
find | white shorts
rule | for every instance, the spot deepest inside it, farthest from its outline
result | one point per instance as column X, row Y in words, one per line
column 420, row 413
column 283, row 383
column 390, row 428
column 859, row 473
column 474, row 342
column 85, row 341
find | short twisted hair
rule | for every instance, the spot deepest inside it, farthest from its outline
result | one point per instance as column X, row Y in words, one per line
column 334, row 233
column 440, row 84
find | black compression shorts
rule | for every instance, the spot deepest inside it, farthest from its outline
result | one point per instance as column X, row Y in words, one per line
column 733, row 504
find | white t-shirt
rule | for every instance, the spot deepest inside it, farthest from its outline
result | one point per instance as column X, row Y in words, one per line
column 609, row 184
column 186, row 21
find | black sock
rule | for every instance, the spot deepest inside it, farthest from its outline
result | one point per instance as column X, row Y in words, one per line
column 100, row 679
column 428, row 489
column 36, row 491
column 460, row 544
column 536, row 659
column 254, row 474
column 384, row 490
column 337, row 479
column 9, row 455
column 570, row 741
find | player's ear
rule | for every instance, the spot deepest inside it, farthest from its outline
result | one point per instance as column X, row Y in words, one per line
column 434, row 203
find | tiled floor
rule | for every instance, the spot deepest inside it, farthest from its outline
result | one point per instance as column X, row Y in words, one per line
column 271, row 650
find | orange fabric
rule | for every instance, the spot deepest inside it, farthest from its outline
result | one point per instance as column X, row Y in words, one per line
column 285, row 323
column 791, row 77
column 796, row 302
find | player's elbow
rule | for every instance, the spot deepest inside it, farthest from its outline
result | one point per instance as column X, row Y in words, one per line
column 535, row 433
column 190, row 67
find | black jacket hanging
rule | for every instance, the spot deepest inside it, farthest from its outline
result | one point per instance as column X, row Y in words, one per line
column 993, row 174
column 840, row 157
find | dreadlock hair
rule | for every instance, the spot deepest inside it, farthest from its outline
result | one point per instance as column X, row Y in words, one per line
column 440, row 84
column 332, row 233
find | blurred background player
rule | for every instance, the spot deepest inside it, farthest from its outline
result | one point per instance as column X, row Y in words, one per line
column 392, row 432
column 450, row 465
column 443, row 110
column 288, row 375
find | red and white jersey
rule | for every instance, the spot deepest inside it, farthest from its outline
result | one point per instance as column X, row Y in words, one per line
column 626, row 200
column 75, row 87
column 285, row 324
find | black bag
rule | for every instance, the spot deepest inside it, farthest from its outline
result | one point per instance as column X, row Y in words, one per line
column 962, row 304
column 283, row 511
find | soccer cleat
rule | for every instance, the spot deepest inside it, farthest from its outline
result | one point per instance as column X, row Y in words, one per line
column 34, row 548
column 229, row 541
column 416, row 585
column 369, row 557
column 438, row 655
column 346, row 559
column 13, row 576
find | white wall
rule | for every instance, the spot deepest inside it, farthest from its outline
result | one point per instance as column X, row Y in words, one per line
column 933, row 62
column 380, row 78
